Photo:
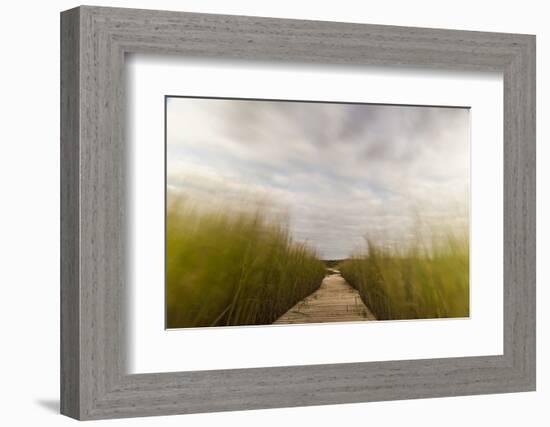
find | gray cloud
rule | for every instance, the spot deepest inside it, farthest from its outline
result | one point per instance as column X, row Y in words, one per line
column 342, row 171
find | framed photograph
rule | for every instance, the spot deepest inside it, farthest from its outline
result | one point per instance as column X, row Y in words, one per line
column 267, row 212
column 261, row 213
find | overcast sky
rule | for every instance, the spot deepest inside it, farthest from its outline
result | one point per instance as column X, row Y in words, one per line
column 341, row 172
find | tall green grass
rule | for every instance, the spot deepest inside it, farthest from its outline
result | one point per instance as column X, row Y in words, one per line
column 422, row 281
column 232, row 267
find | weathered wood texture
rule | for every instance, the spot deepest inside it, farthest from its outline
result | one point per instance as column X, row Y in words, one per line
column 94, row 381
column 70, row 220
column 334, row 301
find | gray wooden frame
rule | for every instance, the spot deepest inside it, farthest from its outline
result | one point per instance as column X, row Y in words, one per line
column 94, row 41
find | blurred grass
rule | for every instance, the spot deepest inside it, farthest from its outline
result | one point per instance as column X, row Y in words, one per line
column 422, row 281
column 232, row 267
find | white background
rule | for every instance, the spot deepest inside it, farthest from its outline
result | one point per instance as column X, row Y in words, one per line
column 29, row 235
column 153, row 349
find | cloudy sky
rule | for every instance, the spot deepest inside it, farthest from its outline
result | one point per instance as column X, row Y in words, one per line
column 340, row 172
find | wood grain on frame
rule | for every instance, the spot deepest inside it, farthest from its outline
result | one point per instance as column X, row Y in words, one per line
column 94, row 381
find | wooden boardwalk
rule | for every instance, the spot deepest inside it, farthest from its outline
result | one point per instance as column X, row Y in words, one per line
column 334, row 301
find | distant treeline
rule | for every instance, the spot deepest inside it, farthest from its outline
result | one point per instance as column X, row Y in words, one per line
column 332, row 263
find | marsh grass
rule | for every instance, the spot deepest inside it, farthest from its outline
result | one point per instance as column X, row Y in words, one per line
column 232, row 267
column 428, row 279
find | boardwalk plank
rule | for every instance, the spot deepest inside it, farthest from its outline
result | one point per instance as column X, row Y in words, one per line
column 334, row 301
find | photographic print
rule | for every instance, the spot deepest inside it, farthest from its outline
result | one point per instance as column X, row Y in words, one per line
column 295, row 212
